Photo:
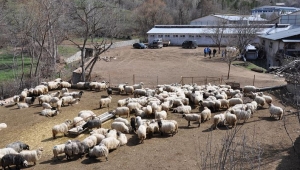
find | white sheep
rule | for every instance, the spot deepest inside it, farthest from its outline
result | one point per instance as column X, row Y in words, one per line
column 183, row 109
column 268, row 99
column 58, row 149
column 167, row 127
column 248, row 89
column 78, row 121
column 230, row 119
column 74, row 147
column 122, row 138
column 111, row 133
column 86, row 114
column 44, row 98
column 275, row 110
column 209, row 104
column 120, row 126
column 133, row 106
column 234, row 101
column 89, row 141
column 55, row 94
column 46, row 105
column 23, row 94
column 73, row 101
column 224, row 103
column 111, row 143
column 121, row 111
column 49, row 112
column 152, row 128
column 66, row 100
column 16, row 98
column 259, row 100
column 192, row 117
column 3, row 126
column 122, row 102
column 161, row 115
column 99, row 151
column 65, row 84
column 141, row 132
column 5, row 151
column 128, row 89
column 138, row 86
column 32, row 155
column 205, row 114
column 102, row 131
column 99, row 137
column 22, row 105
column 64, row 90
column 119, row 119
column 219, row 119
column 61, row 128
column 105, row 102
column 242, row 114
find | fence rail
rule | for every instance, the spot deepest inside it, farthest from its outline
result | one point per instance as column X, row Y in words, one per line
column 202, row 80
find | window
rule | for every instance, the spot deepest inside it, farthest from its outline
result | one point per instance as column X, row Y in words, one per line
column 271, row 44
column 160, row 35
column 198, row 36
column 263, row 43
column 182, row 35
column 175, row 35
column 151, row 35
column 167, row 35
column 191, row 36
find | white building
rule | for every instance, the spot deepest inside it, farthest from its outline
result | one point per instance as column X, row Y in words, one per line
column 270, row 10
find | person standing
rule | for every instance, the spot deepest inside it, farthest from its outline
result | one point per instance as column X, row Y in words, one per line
column 214, row 52
column 205, row 51
column 209, row 52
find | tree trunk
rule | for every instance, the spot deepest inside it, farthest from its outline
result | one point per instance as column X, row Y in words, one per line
column 229, row 65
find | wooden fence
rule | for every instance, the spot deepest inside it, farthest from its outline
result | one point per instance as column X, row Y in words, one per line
column 202, row 80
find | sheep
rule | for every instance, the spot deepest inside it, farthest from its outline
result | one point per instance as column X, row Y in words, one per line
column 3, row 126
column 133, row 105
column 99, row 151
column 30, row 100
column 89, row 142
column 152, row 128
column 128, row 89
column 209, row 104
column 242, row 114
column 122, row 102
column 122, row 138
column 275, row 110
column 86, row 114
column 32, row 155
column 16, row 98
column 111, row 143
column 99, row 137
column 82, row 85
column 252, row 106
column 259, row 100
column 161, row 115
column 132, row 123
column 49, row 112
column 138, row 121
column 268, row 99
column 205, row 114
column 90, row 124
column 13, row 159
column 18, row 146
column 45, row 98
column 61, row 128
column 101, row 85
column 234, row 101
column 65, row 84
column 74, row 147
column 167, row 127
column 192, row 117
column 46, row 105
column 23, row 94
column 167, row 105
column 121, row 111
column 5, row 151
column 58, row 149
column 120, row 126
column 66, row 100
column 102, row 131
column 22, row 105
column 182, row 109
column 224, row 103
column 141, row 132
column 105, row 101
column 78, row 121
column 56, row 94
column 119, row 119
column 218, row 120
column 248, row 89
column 138, row 86
column 230, row 119
column 109, row 91
column 111, row 133
column 73, row 101
column 64, row 90
column 121, row 88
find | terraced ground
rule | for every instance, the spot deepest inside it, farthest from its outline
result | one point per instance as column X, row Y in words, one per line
column 184, row 150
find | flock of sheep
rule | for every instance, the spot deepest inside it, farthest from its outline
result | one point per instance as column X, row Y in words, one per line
column 150, row 107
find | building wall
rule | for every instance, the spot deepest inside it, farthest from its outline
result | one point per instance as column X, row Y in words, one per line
column 207, row 20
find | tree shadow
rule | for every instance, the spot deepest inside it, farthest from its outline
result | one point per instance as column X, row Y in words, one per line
column 291, row 159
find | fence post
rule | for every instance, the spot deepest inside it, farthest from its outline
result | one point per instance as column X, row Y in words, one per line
column 253, row 79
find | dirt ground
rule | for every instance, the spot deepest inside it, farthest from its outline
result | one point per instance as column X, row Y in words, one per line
column 183, row 151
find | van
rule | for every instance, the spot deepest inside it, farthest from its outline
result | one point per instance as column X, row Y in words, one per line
column 189, row 44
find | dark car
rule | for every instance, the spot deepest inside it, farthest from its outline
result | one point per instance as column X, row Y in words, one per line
column 139, row 45
column 189, row 44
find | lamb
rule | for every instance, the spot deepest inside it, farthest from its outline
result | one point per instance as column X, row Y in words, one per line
column 61, row 128
column 120, row 126
column 102, row 131
column 101, row 85
column 90, row 124
column 13, row 159
column 3, row 126
column 89, row 142
column 49, row 112
column 16, row 98
column 58, row 149
column 230, row 119
column 22, row 105
column 73, row 101
column 23, row 94
column 122, row 102
column 111, row 133
column 167, row 127
column 77, row 95
column 30, row 100
column 121, row 88
column 219, row 119
column 205, row 114
column 105, row 101
column 128, row 89
column 86, row 114
column 160, row 115
column 74, row 147
column 32, row 155
column 18, row 146
column 268, row 99
column 99, row 151
column 192, row 117
column 121, row 111
column 111, row 143
column 275, row 110
column 234, row 101
column 259, row 100
column 141, row 132
column 122, row 138
column 119, row 119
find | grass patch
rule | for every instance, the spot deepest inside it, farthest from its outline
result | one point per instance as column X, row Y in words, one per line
column 67, row 50
column 249, row 66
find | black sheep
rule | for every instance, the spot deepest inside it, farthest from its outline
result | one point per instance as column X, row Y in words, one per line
column 95, row 123
column 18, row 146
column 132, row 123
column 109, row 91
column 13, row 159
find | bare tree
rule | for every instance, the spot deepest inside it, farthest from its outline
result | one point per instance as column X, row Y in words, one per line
column 218, row 33
column 230, row 54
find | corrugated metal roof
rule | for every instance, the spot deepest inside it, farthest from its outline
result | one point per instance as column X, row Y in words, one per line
column 285, row 40
column 241, row 17
column 282, row 34
column 275, row 7
column 204, row 30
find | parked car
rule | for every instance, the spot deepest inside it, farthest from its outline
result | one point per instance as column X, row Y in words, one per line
column 139, row 45
column 156, row 44
column 189, row 44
